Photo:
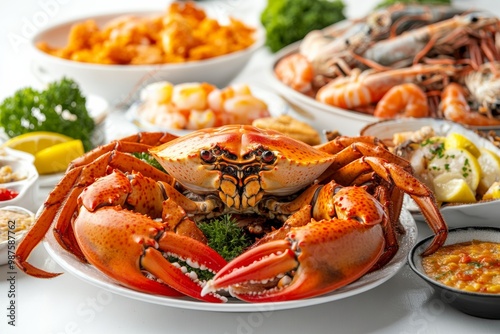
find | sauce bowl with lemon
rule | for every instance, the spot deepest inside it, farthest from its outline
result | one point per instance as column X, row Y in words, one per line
column 461, row 167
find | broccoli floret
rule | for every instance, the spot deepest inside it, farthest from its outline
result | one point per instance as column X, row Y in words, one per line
column 225, row 237
column 287, row 21
column 59, row 108
column 386, row 3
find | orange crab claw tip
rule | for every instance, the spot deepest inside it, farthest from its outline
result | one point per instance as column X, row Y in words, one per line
column 154, row 262
column 188, row 248
column 261, row 263
column 33, row 271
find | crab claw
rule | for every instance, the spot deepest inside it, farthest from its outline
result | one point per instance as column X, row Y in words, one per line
column 130, row 248
column 313, row 259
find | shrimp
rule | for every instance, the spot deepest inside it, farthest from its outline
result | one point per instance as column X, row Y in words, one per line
column 407, row 100
column 361, row 89
column 411, row 46
column 237, row 104
column 191, row 95
column 455, row 108
column 334, row 46
column 296, row 72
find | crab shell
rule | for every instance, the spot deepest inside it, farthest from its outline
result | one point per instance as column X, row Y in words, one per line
column 296, row 164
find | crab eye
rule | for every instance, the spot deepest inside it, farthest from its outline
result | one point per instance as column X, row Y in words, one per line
column 207, row 156
column 268, row 156
column 251, row 170
column 229, row 170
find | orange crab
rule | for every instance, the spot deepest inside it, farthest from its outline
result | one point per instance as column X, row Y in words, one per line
column 339, row 203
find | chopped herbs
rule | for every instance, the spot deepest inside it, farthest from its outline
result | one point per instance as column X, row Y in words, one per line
column 225, row 236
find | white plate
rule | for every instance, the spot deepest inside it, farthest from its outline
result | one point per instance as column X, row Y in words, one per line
column 462, row 215
column 276, row 105
column 90, row 275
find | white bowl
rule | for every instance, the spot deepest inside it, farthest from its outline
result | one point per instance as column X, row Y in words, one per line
column 483, row 305
column 455, row 215
column 320, row 115
column 14, row 234
column 119, row 83
column 26, row 188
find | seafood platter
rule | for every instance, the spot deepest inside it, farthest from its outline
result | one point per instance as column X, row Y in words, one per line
column 222, row 201
column 243, row 171
column 401, row 61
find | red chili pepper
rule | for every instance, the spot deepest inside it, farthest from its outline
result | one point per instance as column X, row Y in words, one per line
column 6, row 194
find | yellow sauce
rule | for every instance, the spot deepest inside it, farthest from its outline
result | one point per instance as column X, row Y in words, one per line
column 8, row 175
column 469, row 266
column 13, row 222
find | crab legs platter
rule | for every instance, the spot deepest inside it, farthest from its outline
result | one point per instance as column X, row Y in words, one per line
column 337, row 205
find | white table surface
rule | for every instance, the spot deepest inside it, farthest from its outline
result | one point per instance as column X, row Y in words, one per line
column 403, row 304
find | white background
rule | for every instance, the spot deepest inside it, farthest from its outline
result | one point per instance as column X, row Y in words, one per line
column 404, row 304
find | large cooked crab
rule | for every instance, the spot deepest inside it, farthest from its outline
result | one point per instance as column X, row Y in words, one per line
column 339, row 204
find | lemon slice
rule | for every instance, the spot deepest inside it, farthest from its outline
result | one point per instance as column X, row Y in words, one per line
column 55, row 159
column 33, row 142
column 458, row 161
column 490, row 169
column 493, row 192
column 456, row 140
column 453, row 188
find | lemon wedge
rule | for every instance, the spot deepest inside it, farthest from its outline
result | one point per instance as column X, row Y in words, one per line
column 460, row 161
column 453, row 188
column 493, row 192
column 33, row 142
column 457, row 140
column 55, row 159
column 490, row 169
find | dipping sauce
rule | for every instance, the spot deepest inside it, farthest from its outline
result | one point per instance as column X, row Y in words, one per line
column 470, row 266
column 13, row 221
column 8, row 175
column 7, row 194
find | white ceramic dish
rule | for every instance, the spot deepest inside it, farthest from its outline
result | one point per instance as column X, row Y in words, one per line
column 90, row 275
column 455, row 215
column 26, row 188
column 9, row 153
column 7, row 248
column 276, row 105
column 118, row 83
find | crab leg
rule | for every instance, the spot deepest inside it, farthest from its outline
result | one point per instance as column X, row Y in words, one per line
column 405, row 181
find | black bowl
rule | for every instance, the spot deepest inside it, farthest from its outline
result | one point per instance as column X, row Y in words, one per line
column 481, row 305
